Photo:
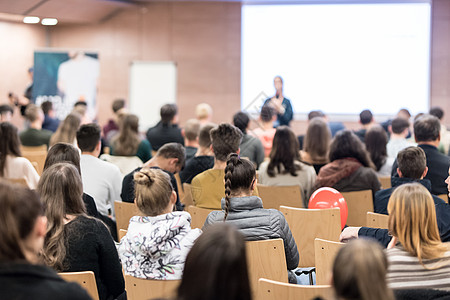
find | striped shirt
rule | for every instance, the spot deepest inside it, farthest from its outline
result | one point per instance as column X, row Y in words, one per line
column 406, row 272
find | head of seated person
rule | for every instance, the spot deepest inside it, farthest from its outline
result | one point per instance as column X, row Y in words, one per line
column 190, row 132
column 412, row 163
column 203, row 112
column 118, row 106
column 376, row 140
column 204, row 140
column 169, row 114
column 346, row 144
column 427, row 130
column 217, row 257
column 359, row 271
column 10, row 144
column 88, row 139
column 67, row 129
column 437, row 111
column 285, row 152
column 241, row 121
column 366, row 118
column 6, row 113
column 399, row 128
column 126, row 142
column 35, row 116
column 225, row 139
column 63, row 152
column 317, row 140
column 170, row 157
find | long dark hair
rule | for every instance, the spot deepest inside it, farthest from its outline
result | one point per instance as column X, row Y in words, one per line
column 376, row 140
column 285, row 151
column 218, row 263
column 317, row 139
column 346, row 144
column 10, row 143
column 63, row 152
column 239, row 176
column 126, row 142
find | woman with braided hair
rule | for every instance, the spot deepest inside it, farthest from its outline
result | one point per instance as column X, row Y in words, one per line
column 246, row 212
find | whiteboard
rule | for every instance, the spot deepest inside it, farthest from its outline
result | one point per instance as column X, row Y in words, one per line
column 152, row 84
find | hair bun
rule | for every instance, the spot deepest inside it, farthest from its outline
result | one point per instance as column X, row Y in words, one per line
column 145, row 177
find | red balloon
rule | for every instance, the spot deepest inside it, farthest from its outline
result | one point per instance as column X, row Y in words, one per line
column 327, row 197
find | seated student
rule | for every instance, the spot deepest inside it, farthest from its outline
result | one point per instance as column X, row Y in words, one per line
column 67, row 130
column 50, row 121
column 399, row 130
column 22, row 228
column 250, row 147
column 265, row 132
column 217, row 257
column 12, row 164
column 376, row 140
column 416, row 256
column 190, row 133
column 208, row 187
column 74, row 241
column 128, row 142
column 158, row 241
column 167, row 130
column 170, row 159
column 350, row 168
column 317, row 144
column 35, row 135
column 86, row 113
column 112, row 127
column 285, row 167
column 203, row 159
column 359, row 272
column 246, row 212
column 203, row 113
column 366, row 120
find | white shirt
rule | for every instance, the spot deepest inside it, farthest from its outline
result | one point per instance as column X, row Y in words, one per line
column 102, row 181
column 20, row 167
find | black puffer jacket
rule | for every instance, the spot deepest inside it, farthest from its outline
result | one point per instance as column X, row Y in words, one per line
column 257, row 223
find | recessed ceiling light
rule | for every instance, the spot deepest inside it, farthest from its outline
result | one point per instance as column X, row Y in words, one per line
column 31, row 20
column 49, row 21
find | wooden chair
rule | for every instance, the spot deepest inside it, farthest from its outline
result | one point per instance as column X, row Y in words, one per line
column 143, row 289
column 385, row 182
column 122, row 233
column 309, row 224
column 86, row 279
column 187, row 200
column 444, row 197
column 198, row 215
column 325, row 252
column 375, row 220
column 179, row 186
column 358, row 203
column 266, row 259
column 20, row 181
column 33, row 148
column 37, row 157
column 273, row 290
column 124, row 212
column 126, row 164
column 274, row 196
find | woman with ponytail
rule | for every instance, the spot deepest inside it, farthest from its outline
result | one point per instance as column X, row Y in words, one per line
column 246, row 212
column 158, row 241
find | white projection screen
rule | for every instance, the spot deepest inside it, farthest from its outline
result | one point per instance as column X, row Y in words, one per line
column 339, row 58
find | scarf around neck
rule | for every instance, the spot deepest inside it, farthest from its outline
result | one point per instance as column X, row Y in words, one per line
column 332, row 173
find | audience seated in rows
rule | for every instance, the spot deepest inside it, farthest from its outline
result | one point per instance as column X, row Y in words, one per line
column 23, row 227
column 35, row 135
column 112, row 127
column 67, row 130
column 190, row 133
column 208, row 187
column 12, row 164
column 157, row 241
column 427, row 135
column 203, row 113
column 170, row 159
column 399, row 130
column 376, row 140
column 444, row 133
column 285, row 167
column 250, row 147
column 316, row 144
column 366, row 120
column 265, row 131
column 101, row 180
column 217, row 262
column 75, row 242
column 167, row 130
column 246, row 212
column 350, row 168
column 402, row 114
column 203, row 159
column 50, row 121
column 127, row 141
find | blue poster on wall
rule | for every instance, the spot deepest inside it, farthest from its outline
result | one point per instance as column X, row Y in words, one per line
column 65, row 78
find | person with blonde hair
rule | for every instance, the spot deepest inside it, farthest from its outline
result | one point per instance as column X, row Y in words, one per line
column 67, row 130
column 157, row 241
column 359, row 272
column 417, row 257
column 203, row 112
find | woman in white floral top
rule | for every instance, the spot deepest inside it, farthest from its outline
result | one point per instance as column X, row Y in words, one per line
column 157, row 243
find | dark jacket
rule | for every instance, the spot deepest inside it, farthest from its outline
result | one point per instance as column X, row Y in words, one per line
column 257, row 223
column 382, row 196
column 362, row 179
column 252, row 148
column 438, row 165
column 164, row 133
column 21, row 280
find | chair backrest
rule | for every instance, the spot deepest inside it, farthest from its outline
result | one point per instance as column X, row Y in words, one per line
column 273, row 290
column 122, row 233
column 179, row 186
column 22, row 181
column 33, row 148
column 37, row 157
column 274, row 196
column 444, row 197
column 385, row 182
column 266, row 259
column 86, row 279
column 187, row 200
column 198, row 215
column 375, row 220
column 309, row 224
column 358, row 203
column 143, row 289
column 126, row 164
column 325, row 252
column 124, row 212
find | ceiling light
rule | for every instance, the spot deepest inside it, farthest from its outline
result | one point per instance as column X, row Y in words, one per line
column 49, row 21
column 31, row 20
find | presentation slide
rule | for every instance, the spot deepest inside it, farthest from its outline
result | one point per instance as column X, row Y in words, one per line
column 339, row 58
